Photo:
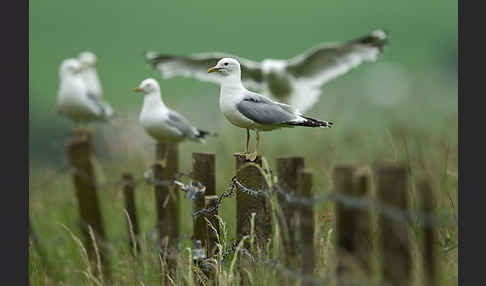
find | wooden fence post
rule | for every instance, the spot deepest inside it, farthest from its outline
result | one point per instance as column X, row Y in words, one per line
column 429, row 253
column 80, row 148
column 362, row 238
column 345, row 223
column 353, row 226
column 307, row 228
column 203, row 171
column 199, row 227
column 167, row 200
column 130, row 207
column 287, row 170
column 246, row 204
column 395, row 242
column 211, row 202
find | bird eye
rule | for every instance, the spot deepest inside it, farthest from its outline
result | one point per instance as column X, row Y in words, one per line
column 225, row 64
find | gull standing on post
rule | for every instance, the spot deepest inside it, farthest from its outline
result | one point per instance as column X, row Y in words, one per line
column 296, row 81
column 250, row 110
column 74, row 100
column 162, row 123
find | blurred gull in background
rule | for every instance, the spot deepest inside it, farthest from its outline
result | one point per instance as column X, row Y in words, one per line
column 88, row 60
column 250, row 110
column 74, row 100
column 162, row 123
column 295, row 81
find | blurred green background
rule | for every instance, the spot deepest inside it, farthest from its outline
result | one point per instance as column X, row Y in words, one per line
column 402, row 108
column 416, row 78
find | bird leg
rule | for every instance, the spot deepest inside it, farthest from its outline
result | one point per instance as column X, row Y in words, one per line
column 257, row 142
column 252, row 157
column 247, row 139
column 247, row 144
column 163, row 161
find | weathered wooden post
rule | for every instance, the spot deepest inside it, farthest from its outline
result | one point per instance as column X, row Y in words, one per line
column 132, row 221
column 353, row 225
column 167, row 200
column 287, row 170
column 362, row 239
column 199, row 226
column 395, row 242
column 345, row 223
column 306, row 226
column 212, row 202
column 203, row 171
column 246, row 204
column 430, row 235
column 251, row 177
column 80, row 148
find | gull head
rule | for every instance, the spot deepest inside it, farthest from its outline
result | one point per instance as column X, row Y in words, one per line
column 227, row 67
column 70, row 67
column 88, row 58
column 148, row 86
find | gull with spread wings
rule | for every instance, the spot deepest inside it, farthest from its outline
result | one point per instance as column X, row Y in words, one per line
column 295, row 81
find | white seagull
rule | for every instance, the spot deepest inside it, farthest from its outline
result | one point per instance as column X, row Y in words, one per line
column 296, row 81
column 74, row 100
column 162, row 123
column 90, row 76
column 250, row 110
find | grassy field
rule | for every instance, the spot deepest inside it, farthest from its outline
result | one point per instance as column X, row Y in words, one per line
column 401, row 109
column 425, row 146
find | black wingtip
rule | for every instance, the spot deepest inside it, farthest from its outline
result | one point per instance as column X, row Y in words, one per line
column 378, row 38
column 329, row 124
column 203, row 133
column 311, row 122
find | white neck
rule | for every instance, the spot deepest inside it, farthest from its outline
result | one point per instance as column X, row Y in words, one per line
column 153, row 101
column 232, row 81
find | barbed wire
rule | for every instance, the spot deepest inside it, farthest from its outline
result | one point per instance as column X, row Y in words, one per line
column 388, row 211
column 205, row 211
column 195, row 188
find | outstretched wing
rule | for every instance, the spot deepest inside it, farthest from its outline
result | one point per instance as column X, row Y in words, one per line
column 265, row 111
column 197, row 65
column 328, row 61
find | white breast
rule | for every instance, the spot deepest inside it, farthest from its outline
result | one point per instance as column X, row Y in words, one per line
column 90, row 77
column 73, row 101
column 153, row 118
column 228, row 100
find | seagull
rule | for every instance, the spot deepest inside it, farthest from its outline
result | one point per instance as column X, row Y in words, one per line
column 160, row 122
column 254, row 111
column 296, row 81
column 74, row 100
column 90, row 76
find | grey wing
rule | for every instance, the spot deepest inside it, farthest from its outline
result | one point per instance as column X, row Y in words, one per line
column 328, row 61
column 265, row 111
column 178, row 122
column 197, row 65
column 102, row 108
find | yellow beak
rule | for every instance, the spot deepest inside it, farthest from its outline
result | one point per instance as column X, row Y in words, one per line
column 137, row 89
column 213, row 69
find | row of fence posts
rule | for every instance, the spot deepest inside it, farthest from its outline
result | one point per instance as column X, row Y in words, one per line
column 295, row 223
